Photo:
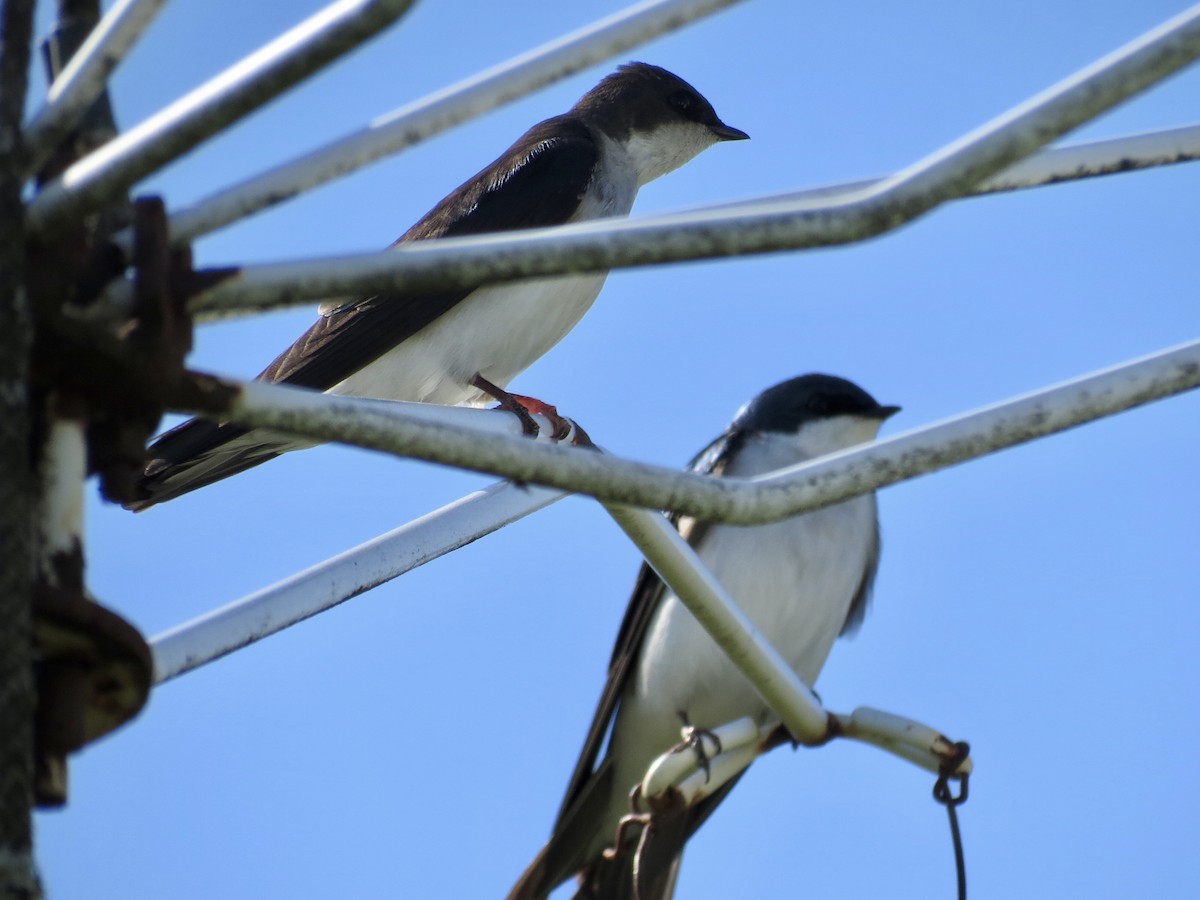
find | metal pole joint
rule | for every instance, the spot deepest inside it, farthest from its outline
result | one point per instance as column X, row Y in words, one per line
column 99, row 384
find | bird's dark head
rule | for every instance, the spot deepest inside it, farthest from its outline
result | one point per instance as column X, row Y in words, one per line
column 832, row 411
column 660, row 119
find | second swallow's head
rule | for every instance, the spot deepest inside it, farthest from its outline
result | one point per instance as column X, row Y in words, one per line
column 826, row 412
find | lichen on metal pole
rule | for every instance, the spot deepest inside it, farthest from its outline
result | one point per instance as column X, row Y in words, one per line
column 949, row 173
column 243, row 87
column 436, row 434
column 18, row 874
column 1112, row 156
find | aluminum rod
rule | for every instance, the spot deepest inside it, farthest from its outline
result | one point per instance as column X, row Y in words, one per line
column 949, row 173
column 1056, row 165
column 1107, row 157
column 738, row 743
column 678, row 565
column 440, row 111
column 1053, row 166
column 266, row 612
column 672, row 767
column 380, row 425
column 368, row 565
column 323, row 586
column 919, row 744
column 429, row 432
column 85, row 76
column 111, row 170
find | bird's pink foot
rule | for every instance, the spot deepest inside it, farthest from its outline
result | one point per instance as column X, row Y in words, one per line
column 525, row 408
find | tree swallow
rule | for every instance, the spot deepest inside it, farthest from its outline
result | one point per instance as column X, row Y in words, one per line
column 464, row 346
column 803, row 582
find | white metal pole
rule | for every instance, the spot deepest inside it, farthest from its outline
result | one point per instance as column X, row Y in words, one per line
column 368, row 565
column 114, row 168
column 919, row 744
column 375, row 423
column 347, row 575
column 1054, row 165
column 677, row 564
column 439, row 434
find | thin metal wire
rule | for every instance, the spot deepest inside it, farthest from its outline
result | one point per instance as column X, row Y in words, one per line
column 84, row 77
column 944, row 795
column 114, row 168
column 949, row 173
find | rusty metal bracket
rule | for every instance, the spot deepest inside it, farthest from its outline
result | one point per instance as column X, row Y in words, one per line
column 119, row 376
column 93, row 674
column 108, row 383
column 147, row 362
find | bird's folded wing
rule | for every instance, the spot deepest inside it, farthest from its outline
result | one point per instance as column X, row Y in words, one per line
column 538, row 183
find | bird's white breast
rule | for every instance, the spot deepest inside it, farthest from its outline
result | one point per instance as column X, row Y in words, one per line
column 665, row 149
column 794, row 579
column 498, row 330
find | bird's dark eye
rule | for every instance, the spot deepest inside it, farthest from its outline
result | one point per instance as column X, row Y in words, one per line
column 819, row 404
column 684, row 102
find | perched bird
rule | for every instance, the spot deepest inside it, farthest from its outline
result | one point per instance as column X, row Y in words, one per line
column 464, row 346
column 803, row 581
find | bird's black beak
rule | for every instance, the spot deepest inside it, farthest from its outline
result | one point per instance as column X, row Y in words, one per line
column 884, row 412
column 728, row 133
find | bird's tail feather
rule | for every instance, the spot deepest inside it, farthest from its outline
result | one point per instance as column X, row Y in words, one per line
column 647, row 870
column 198, row 453
column 574, row 833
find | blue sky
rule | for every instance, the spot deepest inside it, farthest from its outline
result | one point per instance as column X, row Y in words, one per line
column 1039, row 603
